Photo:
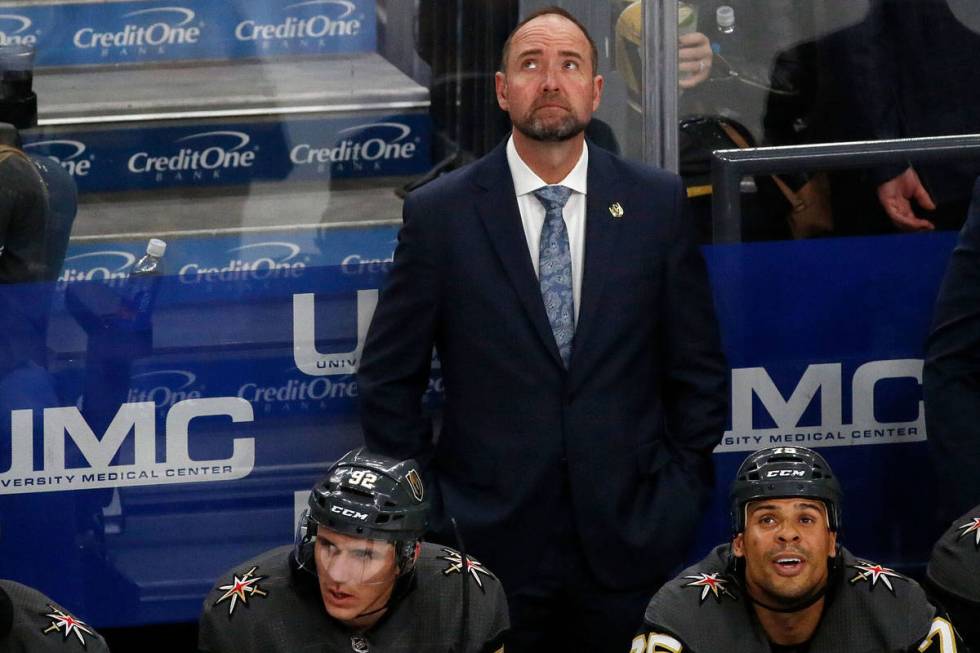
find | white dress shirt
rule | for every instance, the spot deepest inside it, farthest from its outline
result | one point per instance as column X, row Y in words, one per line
column 532, row 211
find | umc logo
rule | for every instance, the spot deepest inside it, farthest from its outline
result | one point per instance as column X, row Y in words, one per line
column 826, row 381
column 318, row 26
column 98, row 461
column 13, row 30
column 314, row 363
column 67, row 153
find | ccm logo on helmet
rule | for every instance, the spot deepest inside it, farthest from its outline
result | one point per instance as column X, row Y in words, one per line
column 785, row 472
column 347, row 512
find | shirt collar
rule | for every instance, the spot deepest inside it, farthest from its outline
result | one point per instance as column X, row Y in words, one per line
column 525, row 181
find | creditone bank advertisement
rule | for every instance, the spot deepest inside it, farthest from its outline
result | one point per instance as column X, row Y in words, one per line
column 155, row 433
column 234, row 153
column 140, row 31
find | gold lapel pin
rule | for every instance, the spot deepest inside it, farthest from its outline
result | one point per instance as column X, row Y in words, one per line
column 616, row 210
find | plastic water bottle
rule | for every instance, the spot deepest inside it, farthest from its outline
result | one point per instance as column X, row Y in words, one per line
column 142, row 284
column 152, row 262
column 725, row 30
column 725, row 19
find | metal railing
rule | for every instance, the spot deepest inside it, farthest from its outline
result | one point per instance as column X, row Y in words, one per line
column 729, row 166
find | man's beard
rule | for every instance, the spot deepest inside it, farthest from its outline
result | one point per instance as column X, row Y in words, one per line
column 550, row 132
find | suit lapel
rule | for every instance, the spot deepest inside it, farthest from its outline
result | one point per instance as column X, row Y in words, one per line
column 601, row 234
column 497, row 207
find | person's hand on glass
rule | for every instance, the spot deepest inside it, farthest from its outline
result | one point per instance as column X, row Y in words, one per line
column 895, row 195
column 694, row 56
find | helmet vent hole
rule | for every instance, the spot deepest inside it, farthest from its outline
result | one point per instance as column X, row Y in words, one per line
column 783, row 459
column 360, row 493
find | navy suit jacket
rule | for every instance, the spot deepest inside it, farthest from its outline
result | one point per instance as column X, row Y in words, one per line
column 951, row 374
column 622, row 438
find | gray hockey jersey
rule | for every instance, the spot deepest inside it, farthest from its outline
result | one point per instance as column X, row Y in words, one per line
column 42, row 626
column 870, row 608
column 283, row 611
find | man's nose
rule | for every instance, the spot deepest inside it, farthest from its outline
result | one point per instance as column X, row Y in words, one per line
column 789, row 532
column 550, row 81
column 340, row 570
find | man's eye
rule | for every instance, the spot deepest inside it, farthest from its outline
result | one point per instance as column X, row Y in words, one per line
column 806, row 519
column 767, row 520
column 571, row 65
column 529, row 65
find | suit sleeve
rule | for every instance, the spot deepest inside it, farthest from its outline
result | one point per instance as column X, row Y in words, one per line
column 951, row 374
column 697, row 376
column 396, row 361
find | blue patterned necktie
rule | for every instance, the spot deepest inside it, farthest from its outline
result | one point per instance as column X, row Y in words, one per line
column 555, row 268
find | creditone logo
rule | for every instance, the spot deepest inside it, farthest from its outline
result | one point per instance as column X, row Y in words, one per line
column 112, row 266
column 355, row 264
column 333, row 22
column 172, row 387
column 68, row 154
column 14, row 30
column 254, row 262
column 753, row 384
column 199, row 156
column 299, row 394
column 156, row 27
column 370, row 143
column 94, row 467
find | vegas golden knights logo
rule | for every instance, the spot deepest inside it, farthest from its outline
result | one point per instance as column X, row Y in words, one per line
column 415, row 481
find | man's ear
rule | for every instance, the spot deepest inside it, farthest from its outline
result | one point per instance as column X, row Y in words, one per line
column 500, row 85
column 597, row 84
column 833, row 545
column 738, row 546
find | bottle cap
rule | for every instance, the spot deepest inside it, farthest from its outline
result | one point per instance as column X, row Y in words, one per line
column 156, row 247
column 725, row 16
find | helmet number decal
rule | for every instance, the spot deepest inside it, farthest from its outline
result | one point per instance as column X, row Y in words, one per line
column 363, row 478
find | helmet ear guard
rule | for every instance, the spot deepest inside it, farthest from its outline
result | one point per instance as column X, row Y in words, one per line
column 406, row 555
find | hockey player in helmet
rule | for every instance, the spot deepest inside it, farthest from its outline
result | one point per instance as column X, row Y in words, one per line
column 953, row 575
column 358, row 577
column 784, row 583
